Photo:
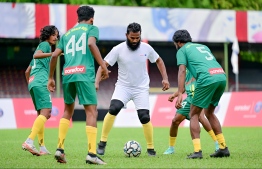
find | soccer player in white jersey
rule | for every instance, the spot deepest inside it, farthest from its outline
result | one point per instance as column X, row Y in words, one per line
column 132, row 83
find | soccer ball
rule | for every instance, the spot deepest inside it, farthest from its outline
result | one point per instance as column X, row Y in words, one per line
column 132, row 149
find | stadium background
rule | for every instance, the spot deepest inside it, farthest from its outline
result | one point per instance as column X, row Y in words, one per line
column 19, row 31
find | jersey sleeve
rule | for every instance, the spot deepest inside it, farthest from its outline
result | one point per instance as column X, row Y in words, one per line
column 31, row 63
column 61, row 44
column 112, row 56
column 181, row 58
column 153, row 56
column 44, row 47
column 94, row 32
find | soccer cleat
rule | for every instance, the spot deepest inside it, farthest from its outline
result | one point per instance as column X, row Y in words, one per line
column 170, row 150
column 31, row 148
column 94, row 159
column 216, row 146
column 60, row 156
column 44, row 151
column 151, row 152
column 195, row 155
column 221, row 153
column 101, row 148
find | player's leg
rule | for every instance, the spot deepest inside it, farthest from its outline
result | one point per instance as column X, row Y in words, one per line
column 40, row 135
column 87, row 96
column 205, row 123
column 173, row 132
column 209, row 112
column 181, row 115
column 42, row 101
column 202, row 98
column 141, row 101
column 69, row 91
column 195, row 131
column 114, row 109
column 119, row 99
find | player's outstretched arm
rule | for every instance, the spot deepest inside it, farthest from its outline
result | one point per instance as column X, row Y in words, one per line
column 27, row 73
column 96, row 53
column 99, row 76
column 40, row 54
column 53, row 61
column 162, row 68
column 181, row 85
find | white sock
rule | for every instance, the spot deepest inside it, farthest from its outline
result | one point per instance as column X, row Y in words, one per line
column 29, row 141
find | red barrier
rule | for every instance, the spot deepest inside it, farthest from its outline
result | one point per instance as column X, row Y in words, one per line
column 25, row 112
column 245, row 109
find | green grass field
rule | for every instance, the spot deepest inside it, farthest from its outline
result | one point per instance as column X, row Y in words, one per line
column 244, row 145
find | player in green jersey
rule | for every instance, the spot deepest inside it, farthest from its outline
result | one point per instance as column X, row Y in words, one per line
column 37, row 76
column 79, row 47
column 210, row 85
column 183, row 113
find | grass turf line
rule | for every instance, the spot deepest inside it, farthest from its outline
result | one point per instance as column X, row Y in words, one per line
column 244, row 145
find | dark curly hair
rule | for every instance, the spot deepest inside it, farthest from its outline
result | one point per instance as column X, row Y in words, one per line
column 47, row 31
column 133, row 27
column 85, row 13
column 182, row 36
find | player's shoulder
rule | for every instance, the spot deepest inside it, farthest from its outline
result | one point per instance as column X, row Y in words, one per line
column 145, row 46
column 120, row 45
column 43, row 43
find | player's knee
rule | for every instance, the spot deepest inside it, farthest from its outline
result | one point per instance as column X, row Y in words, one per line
column 115, row 107
column 143, row 115
column 176, row 122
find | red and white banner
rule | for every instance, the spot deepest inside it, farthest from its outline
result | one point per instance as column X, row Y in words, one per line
column 236, row 109
column 245, row 109
column 20, row 113
column 7, row 114
column 24, row 20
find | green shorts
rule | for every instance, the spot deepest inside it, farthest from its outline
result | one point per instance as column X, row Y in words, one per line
column 185, row 109
column 41, row 97
column 85, row 91
column 211, row 94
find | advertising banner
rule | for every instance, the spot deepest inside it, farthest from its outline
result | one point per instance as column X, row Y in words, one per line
column 7, row 114
column 245, row 109
column 25, row 112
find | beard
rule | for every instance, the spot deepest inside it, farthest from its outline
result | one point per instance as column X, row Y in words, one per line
column 132, row 46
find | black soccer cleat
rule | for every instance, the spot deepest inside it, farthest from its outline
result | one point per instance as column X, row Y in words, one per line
column 195, row 155
column 151, row 152
column 221, row 153
column 101, row 148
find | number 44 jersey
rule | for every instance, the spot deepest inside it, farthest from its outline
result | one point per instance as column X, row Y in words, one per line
column 201, row 63
column 79, row 61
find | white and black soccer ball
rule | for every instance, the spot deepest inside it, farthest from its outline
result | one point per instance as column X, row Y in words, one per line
column 132, row 149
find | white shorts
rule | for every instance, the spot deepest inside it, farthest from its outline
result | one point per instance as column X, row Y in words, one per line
column 140, row 97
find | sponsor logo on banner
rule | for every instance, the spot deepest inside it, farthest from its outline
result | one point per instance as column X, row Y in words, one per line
column 245, row 109
column 26, row 113
column 7, row 115
column 1, row 113
column 258, row 107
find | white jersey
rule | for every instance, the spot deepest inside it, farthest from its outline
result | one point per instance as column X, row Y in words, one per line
column 132, row 65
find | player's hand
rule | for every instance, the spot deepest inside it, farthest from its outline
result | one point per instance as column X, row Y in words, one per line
column 51, row 85
column 105, row 74
column 171, row 98
column 179, row 101
column 97, row 86
column 165, row 84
